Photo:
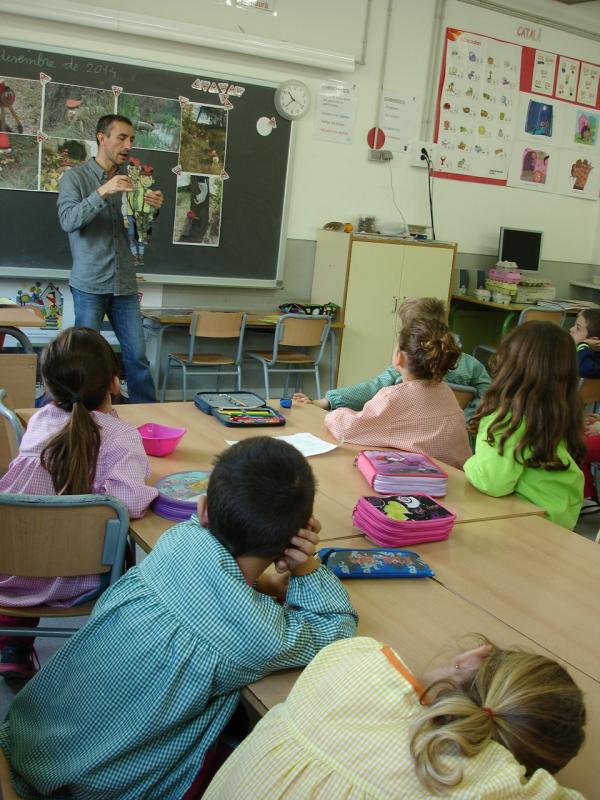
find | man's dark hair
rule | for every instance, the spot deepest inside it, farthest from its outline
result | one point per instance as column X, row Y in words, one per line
column 260, row 493
column 104, row 124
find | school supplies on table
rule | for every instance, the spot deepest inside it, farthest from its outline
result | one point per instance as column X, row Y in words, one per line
column 160, row 440
column 179, row 494
column 403, row 519
column 238, row 409
column 348, row 562
column 402, row 472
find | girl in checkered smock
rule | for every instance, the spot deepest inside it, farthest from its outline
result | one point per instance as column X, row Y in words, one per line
column 492, row 724
column 74, row 445
column 421, row 413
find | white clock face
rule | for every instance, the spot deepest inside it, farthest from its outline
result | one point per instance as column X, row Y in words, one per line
column 292, row 99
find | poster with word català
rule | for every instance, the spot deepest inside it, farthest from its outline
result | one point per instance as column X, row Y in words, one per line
column 517, row 116
column 478, row 98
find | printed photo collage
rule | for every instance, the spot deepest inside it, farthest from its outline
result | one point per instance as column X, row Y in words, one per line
column 491, row 131
column 48, row 127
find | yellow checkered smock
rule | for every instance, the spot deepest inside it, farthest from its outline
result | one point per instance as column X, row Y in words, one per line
column 343, row 734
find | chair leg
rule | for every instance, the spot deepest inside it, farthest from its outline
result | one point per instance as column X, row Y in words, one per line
column 164, row 383
column 266, row 374
column 238, row 379
column 318, row 382
column 218, row 377
column 184, row 382
column 286, row 383
column 298, row 380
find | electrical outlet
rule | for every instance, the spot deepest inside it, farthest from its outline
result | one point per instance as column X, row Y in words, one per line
column 380, row 155
column 415, row 152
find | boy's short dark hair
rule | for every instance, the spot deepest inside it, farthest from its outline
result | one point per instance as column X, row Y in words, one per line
column 104, row 124
column 260, row 493
column 592, row 322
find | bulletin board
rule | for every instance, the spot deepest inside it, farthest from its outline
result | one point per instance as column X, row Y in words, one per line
column 516, row 116
column 213, row 144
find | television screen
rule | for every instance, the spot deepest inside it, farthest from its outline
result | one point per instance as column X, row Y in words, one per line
column 522, row 247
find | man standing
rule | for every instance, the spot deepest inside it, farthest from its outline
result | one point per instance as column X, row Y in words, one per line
column 103, row 274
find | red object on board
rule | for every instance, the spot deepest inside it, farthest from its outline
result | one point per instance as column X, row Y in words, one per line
column 375, row 144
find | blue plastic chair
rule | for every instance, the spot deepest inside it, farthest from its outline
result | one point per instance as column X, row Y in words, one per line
column 60, row 536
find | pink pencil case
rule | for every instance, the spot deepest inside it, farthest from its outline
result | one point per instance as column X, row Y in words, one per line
column 403, row 519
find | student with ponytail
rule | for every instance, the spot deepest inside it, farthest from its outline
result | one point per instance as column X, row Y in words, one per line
column 492, row 724
column 74, row 445
column 420, row 413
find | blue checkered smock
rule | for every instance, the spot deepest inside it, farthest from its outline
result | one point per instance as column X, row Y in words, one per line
column 128, row 707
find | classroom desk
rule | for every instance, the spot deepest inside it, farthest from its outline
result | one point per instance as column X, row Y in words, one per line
column 480, row 322
column 166, row 318
column 422, row 619
column 339, row 482
column 13, row 318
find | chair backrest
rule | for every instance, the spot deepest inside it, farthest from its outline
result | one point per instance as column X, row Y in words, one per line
column 218, row 325
column 11, row 433
column 556, row 315
column 18, row 371
column 299, row 330
column 48, row 536
column 589, row 389
column 463, row 394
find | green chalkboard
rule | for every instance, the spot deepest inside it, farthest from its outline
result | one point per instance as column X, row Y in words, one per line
column 223, row 215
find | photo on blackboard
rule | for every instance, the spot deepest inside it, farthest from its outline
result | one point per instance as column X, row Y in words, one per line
column 586, row 128
column 203, row 139
column 534, row 168
column 157, row 121
column 20, row 105
column 59, row 155
column 73, row 111
column 19, row 157
column 539, row 120
column 198, row 210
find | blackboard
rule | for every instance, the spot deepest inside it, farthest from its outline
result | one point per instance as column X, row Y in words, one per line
column 253, row 186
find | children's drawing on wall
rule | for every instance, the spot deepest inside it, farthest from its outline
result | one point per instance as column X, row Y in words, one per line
column 203, row 139
column 586, row 128
column 73, row 111
column 48, row 301
column 19, row 155
column 580, row 172
column 534, row 166
column 59, row 155
column 137, row 214
column 198, row 210
column 20, row 105
column 539, row 118
column 157, row 121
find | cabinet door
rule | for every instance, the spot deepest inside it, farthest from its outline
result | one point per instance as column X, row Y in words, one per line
column 427, row 272
column 370, row 313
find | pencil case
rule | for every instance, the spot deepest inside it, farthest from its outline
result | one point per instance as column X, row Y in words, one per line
column 238, row 409
column 178, row 494
column 403, row 519
column 349, row 562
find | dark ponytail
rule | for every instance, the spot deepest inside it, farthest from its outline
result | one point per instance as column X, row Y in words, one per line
column 429, row 347
column 78, row 368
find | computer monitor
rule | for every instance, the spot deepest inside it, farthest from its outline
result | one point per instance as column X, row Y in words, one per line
column 521, row 246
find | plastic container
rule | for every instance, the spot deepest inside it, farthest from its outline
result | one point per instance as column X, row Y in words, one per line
column 160, row 440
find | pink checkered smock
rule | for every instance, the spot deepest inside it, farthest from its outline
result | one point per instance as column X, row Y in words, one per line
column 121, row 471
column 416, row 415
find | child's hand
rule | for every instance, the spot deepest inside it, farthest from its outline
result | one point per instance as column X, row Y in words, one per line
column 273, row 584
column 593, row 343
column 589, row 424
column 299, row 558
column 299, row 397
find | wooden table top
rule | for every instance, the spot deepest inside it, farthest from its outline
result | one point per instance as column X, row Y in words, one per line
column 180, row 316
column 339, row 482
column 21, row 317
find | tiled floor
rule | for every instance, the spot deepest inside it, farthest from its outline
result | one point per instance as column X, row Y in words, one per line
column 587, row 526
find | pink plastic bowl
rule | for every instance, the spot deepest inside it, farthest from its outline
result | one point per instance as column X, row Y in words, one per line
column 159, row 440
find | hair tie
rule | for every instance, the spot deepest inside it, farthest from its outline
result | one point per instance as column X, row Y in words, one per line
column 488, row 711
column 76, row 398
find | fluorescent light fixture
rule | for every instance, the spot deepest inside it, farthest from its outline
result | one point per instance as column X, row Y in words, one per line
column 184, row 32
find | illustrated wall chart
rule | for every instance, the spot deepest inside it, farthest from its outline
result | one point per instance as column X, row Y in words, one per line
column 516, row 116
column 48, row 127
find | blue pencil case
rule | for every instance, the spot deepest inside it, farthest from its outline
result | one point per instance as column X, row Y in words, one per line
column 349, row 562
column 238, row 409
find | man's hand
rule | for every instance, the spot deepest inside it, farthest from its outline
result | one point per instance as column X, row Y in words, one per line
column 154, row 198
column 118, row 183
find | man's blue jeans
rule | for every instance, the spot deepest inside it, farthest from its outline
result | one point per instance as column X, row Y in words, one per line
column 123, row 312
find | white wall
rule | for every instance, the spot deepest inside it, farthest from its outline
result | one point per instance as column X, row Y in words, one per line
column 333, row 181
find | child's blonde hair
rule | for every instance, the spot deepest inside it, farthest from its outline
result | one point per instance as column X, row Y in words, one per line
column 526, row 702
column 425, row 307
column 429, row 348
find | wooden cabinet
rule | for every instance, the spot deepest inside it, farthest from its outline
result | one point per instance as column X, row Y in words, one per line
column 369, row 278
